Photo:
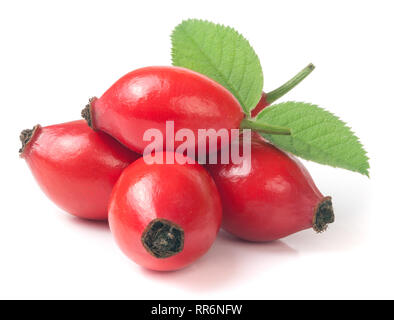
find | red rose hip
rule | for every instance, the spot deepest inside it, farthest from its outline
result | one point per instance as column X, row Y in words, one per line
column 75, row 166
column 270, row 199
column 148, row 97
column 164, row 216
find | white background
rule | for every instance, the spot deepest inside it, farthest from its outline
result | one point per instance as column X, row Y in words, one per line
column 55, row 55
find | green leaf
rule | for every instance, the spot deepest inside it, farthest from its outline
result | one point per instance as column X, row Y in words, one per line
column 222, row 54
column 316, row 135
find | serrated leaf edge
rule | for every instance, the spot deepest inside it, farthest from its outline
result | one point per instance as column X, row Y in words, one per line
column 228, row 85
column 364, row 154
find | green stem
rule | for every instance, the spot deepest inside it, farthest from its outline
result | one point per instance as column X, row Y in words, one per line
column 264, row 127
column 283, row 89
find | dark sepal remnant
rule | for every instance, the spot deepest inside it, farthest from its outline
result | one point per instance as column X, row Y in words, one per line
column 163, row 238
column 26, row 136
column 86, row 112
column 324, row 215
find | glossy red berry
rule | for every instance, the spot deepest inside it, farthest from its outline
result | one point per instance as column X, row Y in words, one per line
column 164, row 216
column 75, row 166
column 270, row 199
column 148, row 97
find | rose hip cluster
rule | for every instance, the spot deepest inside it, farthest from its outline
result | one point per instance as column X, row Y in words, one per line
column 165, row 216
